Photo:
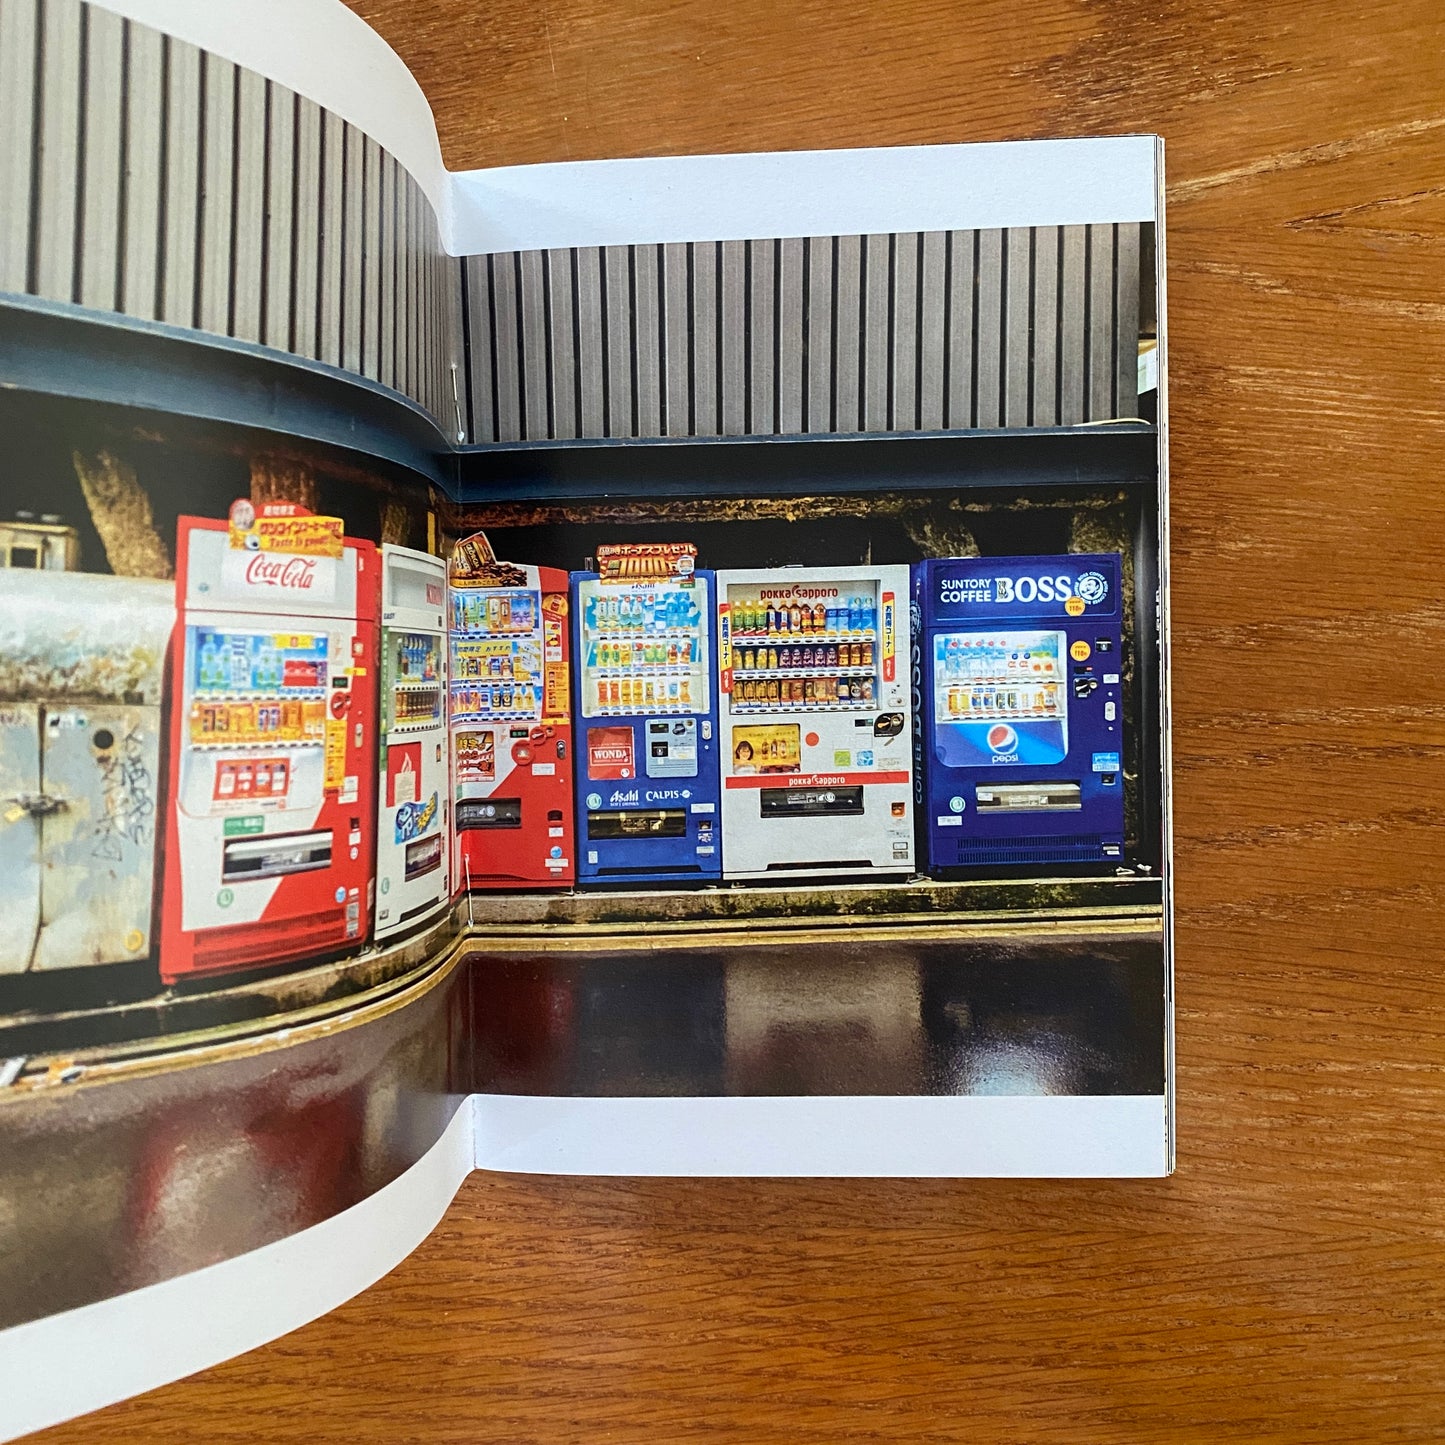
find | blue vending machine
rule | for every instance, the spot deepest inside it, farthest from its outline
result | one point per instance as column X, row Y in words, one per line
column 646, row 719
column 1020, row 712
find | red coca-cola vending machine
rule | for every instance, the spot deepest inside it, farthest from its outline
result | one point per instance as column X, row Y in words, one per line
column 270, row 835
column 511, row 725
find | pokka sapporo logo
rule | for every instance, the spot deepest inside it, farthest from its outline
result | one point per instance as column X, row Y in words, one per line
column 1093, row 587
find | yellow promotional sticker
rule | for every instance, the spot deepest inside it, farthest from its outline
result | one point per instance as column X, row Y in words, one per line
column 1074, row 606
column 1080, row 651
column 335, row 752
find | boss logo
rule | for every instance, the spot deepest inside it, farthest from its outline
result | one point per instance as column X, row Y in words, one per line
column 1034, row 589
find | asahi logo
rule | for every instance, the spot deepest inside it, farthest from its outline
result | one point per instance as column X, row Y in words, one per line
column 294, row 574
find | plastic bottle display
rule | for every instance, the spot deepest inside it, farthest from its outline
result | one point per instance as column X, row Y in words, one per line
column 978, row 677
column 804, row 655
column 643, row 651
column 241, row 663
column 496, row 663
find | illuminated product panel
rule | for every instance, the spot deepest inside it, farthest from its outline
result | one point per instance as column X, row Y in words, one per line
column 816, row 725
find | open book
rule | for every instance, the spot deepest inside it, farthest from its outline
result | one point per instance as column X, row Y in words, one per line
column 653, row 667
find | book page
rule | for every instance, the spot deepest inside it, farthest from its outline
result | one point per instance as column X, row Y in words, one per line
column 638, row 667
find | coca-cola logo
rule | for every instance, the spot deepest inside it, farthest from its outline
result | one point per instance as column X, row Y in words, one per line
column 295, row 574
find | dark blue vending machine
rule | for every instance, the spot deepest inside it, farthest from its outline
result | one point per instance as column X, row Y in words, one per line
column 646, row 718
column 1020, row 711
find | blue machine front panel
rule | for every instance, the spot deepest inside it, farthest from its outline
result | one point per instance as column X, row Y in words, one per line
column 1020, row 731
column 646, row 730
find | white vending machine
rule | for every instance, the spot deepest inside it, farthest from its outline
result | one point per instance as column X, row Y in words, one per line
column 817, row 754
column 413, row 882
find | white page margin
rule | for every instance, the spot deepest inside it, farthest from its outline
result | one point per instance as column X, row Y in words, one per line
column 804, row 193
column 858, row 1136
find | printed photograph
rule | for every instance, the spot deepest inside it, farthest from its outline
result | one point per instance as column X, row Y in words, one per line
column 704, row 669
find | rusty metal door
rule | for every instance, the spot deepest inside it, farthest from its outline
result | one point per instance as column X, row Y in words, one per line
column 20, row 807
column 100, row 762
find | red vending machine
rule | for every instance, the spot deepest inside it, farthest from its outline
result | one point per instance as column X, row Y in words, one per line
column 511, row 725
column 270, row 836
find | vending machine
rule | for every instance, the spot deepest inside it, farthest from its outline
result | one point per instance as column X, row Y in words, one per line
column 647, row 781
column 817, row 764
column 511, row 729
column 413, row 872
column 269, row 836
column 1021, row 735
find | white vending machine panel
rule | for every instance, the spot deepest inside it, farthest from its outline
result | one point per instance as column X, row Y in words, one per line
column 816, row 722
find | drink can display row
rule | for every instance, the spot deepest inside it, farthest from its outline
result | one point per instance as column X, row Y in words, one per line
column 824, row 655
column 1003, row 702
column 423, row 705
column 476, row 611
column 644, row 652
column 785, row 619
column 500, row 697
column 799, row 691
column 290, row 721
column 630, row 692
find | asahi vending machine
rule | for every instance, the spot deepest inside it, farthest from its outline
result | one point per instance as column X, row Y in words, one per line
column 1022, row 727
column 647, row 778
column 511, row 731
column 816, row 722
column 413, row 866
column 270, row 836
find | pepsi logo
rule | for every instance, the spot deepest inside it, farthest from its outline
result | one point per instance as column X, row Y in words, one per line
column 1002, row 738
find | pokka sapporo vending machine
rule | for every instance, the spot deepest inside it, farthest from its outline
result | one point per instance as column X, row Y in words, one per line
column 816, row 733
column 270, row 833
column 511, row 729
column 647, row 774
column 1021, row 735
column 413, row 844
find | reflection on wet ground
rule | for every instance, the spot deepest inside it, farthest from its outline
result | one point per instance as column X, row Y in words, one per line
column 117, row 1182
column 867, row 1016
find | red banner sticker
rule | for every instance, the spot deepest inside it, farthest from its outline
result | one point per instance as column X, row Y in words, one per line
column 609, row 753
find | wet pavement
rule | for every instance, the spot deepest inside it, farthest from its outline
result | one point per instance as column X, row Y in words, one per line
column 144, row 1170
column 122, row 1173
column 868, row 1013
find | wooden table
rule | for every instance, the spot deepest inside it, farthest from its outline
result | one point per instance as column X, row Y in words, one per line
column 1287, row 1283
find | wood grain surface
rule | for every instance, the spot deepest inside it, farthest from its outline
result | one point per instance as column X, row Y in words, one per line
column 1286, row 1284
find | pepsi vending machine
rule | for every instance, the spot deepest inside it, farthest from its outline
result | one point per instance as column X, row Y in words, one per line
column 1020, row 732
column 647, row 759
